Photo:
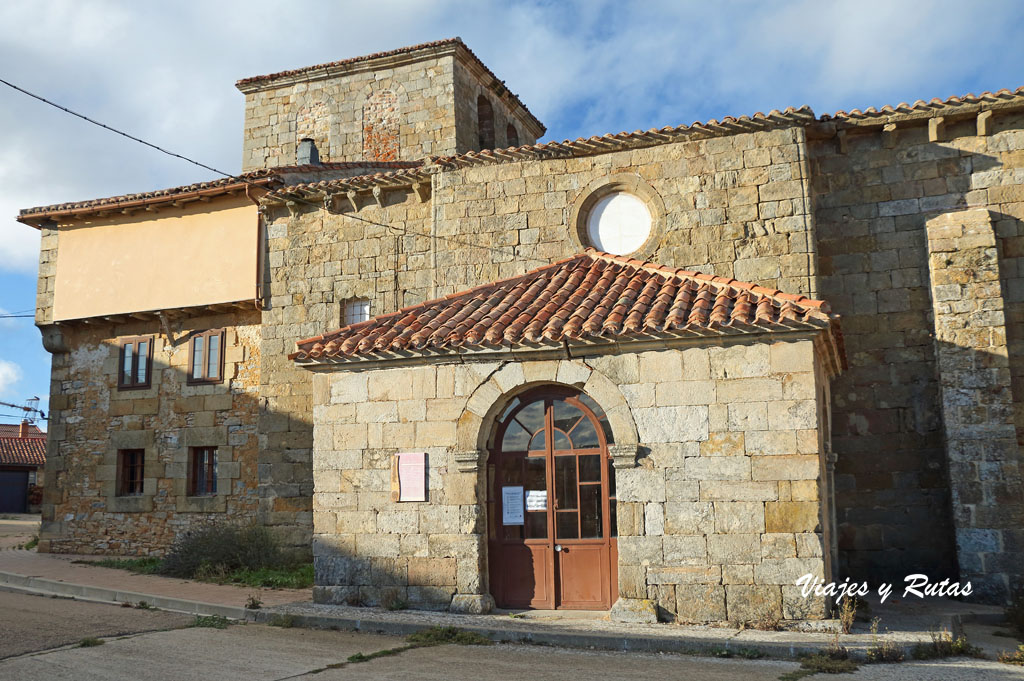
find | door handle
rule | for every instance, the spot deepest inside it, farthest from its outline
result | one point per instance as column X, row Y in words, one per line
column 558, row 548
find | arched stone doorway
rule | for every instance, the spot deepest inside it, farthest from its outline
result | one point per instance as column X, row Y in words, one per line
column 551, row 503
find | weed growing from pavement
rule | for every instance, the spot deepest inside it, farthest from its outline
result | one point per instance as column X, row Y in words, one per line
column 427, row 638
column 210, row 622
column 143, row 605
column 254, row 602
column 90, row 642
column 883, row 650
column 847, row 613
column 944, row 645
column 31, row 543
column 1016, row 657
column 438, row 636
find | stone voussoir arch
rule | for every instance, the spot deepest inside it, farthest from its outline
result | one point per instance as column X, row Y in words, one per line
column 476, row 426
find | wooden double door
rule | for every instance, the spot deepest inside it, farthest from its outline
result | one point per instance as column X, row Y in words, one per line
column 551, row 503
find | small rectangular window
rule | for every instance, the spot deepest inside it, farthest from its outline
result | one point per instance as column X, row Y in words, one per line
column 136, row 363
column 355, row 311
column 206, row 357
column 202, row 471
column 130, row 469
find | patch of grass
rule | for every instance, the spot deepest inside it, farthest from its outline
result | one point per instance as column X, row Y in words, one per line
column 1016, row 657
column 143, row 566
column 283, row 621
column 210, row 622
column 286, row 576
column 143, row 605
column 944, row 645
column 517, row 615
column 90, row 642
column 31, row 543
column 298, row 576
column 438, row 636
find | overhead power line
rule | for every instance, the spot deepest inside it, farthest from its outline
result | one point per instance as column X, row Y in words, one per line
column 403, row 230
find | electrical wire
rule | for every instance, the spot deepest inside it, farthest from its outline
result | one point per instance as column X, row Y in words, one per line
column 403, row 230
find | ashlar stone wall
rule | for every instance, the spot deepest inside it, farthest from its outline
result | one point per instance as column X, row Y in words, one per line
column 90, row 420
column 874, row 191
column 720, row 506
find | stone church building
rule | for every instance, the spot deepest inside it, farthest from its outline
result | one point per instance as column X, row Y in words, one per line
column 670, row 370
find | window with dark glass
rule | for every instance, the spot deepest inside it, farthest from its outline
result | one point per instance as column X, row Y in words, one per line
column 206, row 357
column 130, row 469
column 136, row 363
column 202, row 471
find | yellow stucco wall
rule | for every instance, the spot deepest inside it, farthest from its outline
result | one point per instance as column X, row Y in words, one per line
column 200, row 254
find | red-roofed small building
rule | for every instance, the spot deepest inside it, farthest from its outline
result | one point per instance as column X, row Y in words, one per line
column 22, row 458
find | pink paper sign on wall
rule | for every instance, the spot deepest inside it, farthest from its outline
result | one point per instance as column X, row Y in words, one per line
column 409, row 477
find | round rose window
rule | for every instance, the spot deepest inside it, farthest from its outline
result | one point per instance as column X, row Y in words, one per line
column 619, row 223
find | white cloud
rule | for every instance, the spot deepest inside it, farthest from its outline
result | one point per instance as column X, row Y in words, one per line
column 166, row 72
column 10, row 373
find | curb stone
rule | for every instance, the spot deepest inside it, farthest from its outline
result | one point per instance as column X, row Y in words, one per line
column 372, row 623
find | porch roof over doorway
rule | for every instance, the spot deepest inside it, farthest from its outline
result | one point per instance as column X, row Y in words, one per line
column 593, row 296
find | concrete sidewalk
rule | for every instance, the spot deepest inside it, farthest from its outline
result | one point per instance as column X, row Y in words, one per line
column 49, row 573
column 906, row 623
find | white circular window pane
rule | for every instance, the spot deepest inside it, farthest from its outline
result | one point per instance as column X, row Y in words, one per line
column 619, row 223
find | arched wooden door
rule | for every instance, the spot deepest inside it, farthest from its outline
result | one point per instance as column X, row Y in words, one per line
column 551, row 503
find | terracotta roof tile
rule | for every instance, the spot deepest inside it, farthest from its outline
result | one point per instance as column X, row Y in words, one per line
column 264, row 176
column 245, row 83
column 26, row 451
column 933, row 106
column 632, row 140
column 592, row 295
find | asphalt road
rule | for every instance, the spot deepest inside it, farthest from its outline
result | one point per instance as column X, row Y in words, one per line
column 37, row 637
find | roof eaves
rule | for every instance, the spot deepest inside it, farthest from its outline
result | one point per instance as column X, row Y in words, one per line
column 964, row 104
column 631, row 140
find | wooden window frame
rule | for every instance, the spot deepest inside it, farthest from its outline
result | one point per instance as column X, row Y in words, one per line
column 129, row 382
column 195, row 463
column 204, row 377
column 129, row 460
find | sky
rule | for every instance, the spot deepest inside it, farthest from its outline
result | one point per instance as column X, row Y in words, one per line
column 165, row 72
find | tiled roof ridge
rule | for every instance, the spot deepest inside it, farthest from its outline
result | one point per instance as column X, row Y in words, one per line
column 262, row 174
column 970, row 99
column 575, row 298
column 444, row 42
column 609, row 142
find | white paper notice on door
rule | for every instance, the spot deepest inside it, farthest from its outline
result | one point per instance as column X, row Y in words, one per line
column 512, row 505
column 536, row 500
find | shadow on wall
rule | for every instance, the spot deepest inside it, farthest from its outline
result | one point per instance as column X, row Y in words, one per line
column 893, row 479
column 131, row 468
